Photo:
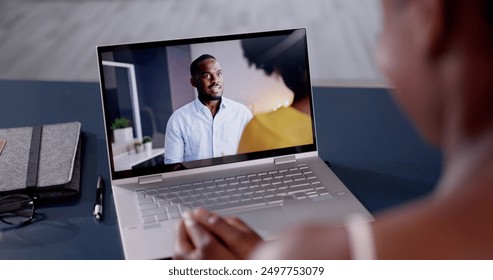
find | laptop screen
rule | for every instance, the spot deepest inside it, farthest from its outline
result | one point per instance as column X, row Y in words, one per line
column 181, row 104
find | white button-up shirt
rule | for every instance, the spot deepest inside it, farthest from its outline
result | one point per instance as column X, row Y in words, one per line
column 192, row 133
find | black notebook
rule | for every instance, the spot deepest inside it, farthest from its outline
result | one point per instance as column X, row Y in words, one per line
column 41, row 160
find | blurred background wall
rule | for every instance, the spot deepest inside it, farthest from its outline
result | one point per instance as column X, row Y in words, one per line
column 56, row 39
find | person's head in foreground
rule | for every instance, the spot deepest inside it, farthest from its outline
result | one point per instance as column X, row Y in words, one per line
column 438, row 56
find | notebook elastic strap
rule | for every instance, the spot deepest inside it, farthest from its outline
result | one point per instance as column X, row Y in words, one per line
column 33, row 162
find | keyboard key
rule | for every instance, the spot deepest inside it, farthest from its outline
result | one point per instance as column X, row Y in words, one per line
column 292, row 172
column 244, row 180
column 187, row 199
column 242, row 186
column 176, row 201
column 276, row 181
column 140, row 194
column 148, row 220
column 161, row 217
column 312, row 194
column 196, row 204
column 287, row 197
column 269, row 194
column 163, row 203
column 170, row 196
column 144, row 200
column 299, row 189
column 148, row 206
column 152, row 212
column 274, row 200
column 208, row 202
column 282, row 186
column 323, row 192
column 301, row 195
column 245, row 197
column 298, row 178
column 173, row 209
column 298, row 184
column 257, row 196
column 219, row 190
column 150, row 192
column 314, row 181
column 287, row 179
column 255, row 178
column 194, row 193
column 222, row 184
column 260, row 190
column 174, row 216
column 163, row 191
column 240, row 205
column 221, row 201
column 207, row 192
column 281, row 192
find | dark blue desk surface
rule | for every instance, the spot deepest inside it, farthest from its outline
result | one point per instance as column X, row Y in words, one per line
column 371, row 147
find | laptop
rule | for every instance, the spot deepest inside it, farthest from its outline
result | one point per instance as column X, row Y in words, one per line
column 143, row 84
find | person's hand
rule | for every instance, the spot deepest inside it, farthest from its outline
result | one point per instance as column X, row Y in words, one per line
column 205, row 235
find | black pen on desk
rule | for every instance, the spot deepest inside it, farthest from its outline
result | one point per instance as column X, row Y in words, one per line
column 98, row 206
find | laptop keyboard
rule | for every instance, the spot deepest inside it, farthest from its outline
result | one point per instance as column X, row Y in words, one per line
column 240, row 192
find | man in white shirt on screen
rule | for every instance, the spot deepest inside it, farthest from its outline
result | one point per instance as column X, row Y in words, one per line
column 211, row 125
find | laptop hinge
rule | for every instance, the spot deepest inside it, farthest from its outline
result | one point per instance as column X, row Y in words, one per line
column 150, row 179
column 286, row 159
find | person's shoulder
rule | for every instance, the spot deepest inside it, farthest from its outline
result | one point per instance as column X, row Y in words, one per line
column 235, row 104
column 182, row 112
column 184, row 109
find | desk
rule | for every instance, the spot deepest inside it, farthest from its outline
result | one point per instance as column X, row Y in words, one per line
column 371, row 147
column 69, row 231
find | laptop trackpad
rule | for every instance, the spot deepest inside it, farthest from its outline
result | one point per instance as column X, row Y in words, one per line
column 267, row 222
column 273, row 221
column 328, row 210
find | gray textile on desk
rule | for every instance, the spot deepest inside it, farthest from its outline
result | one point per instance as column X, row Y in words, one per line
column 59, row 145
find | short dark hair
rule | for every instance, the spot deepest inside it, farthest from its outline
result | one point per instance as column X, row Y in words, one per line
column 194, row 66
column 285, row 55
column 488, row 8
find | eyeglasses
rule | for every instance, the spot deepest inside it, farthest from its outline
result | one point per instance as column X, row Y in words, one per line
column 17, row 209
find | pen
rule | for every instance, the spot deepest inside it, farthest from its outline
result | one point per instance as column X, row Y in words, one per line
column 98, row 206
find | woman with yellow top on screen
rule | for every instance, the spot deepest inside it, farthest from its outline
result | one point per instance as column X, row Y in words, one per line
column 286, row 126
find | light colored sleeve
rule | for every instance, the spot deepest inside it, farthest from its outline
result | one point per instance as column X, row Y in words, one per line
column 174, row 146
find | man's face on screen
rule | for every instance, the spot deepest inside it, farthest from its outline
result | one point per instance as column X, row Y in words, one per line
column 209, row 80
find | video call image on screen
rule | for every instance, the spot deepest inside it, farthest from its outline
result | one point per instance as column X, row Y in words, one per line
column 238, row 98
